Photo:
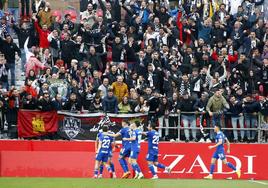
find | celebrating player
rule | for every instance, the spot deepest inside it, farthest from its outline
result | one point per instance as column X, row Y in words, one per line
column 152, row 156
column 135, row 139
column 126, row 147
column 219, row 153
column 112, row 174
column 102, row 152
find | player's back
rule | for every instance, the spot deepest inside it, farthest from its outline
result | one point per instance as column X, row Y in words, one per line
column 125, row 133
column 106, row 142
column 135, row 144
column 153, row 140
column 220, row 136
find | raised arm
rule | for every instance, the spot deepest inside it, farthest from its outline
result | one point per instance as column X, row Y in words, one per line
column 224, row 73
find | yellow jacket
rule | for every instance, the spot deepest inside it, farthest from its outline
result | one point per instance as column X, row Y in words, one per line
column 120, row 90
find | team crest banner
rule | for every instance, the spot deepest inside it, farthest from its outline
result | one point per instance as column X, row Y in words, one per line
column 36, row 123
column 85, row 126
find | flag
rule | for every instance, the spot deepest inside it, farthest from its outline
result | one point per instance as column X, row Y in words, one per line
column 36, row 123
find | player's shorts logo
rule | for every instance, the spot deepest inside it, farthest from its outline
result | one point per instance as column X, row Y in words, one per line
column 71, row 127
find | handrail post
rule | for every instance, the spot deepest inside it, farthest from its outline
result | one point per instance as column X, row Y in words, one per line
column 179, row 127
column 259, row 127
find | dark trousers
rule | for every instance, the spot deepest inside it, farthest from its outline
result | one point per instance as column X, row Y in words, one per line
column 25, row 3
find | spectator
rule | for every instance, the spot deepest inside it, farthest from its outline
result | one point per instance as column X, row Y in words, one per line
column 9, row 49
column 110, row 103
column 23, row 32
column 3, row 72
column 13, row 9
column 45, row 16
column 120, row 88
column 58, row 102
column 124, row 106
column 237, row 117
column 34, row 64
column 96, row 105
column 163, row 111
column 73, row 104
column 29, row 102
column 215, row 107
column 45, row 103
column 186, row 107
column 200, row 107
column 251, row 107
column 43, row 34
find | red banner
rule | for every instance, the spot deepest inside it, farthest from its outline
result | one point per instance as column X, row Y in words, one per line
column 76, row 159
column 36, row 123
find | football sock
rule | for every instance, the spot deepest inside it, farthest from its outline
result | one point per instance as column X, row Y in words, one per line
column 101, row 169
column 126, row 165
column 95, row 172
column 122, row 163
column 112, row 167
column 212, row 166
column 231, row 166
column 159, row 165
column 137, row 167
column 151, row 167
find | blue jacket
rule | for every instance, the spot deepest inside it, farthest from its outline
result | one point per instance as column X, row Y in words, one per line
column 110, row 104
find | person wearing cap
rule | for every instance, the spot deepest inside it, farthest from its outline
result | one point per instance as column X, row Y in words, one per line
column 186, row 107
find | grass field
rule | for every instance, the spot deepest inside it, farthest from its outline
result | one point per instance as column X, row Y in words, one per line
column 120, row 183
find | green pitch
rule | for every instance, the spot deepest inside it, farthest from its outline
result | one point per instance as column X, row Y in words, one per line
column 120, row 183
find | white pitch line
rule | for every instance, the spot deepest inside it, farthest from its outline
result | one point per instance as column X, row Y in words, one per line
column 259, row 182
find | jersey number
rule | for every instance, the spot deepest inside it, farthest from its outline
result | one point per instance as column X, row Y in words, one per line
column 105, row 143
column 155, row 140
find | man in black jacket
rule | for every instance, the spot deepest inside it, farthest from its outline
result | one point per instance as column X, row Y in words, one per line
column 251, row 108
column 73, row 104
column 23, row 32
column 45, row 103
column 237, row 117
column 9, row 49
column 29, row 102
column 186, row 106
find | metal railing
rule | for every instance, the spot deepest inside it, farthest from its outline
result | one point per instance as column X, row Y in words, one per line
column 259, row 128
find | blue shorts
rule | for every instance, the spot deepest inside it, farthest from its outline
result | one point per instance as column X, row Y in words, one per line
column 219, row 155
column 102, row 157
column 125, row 152
column 134, row 154
column 152, row 157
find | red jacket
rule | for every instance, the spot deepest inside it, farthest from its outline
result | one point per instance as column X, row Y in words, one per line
column 43, row 43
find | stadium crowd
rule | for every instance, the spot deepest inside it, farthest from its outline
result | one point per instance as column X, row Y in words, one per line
column 202, row 59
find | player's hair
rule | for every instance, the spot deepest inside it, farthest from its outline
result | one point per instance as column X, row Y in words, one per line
column 105, row 128
column 217, row 125
column 153, row 125
column 125, row 121
column 137, row 123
